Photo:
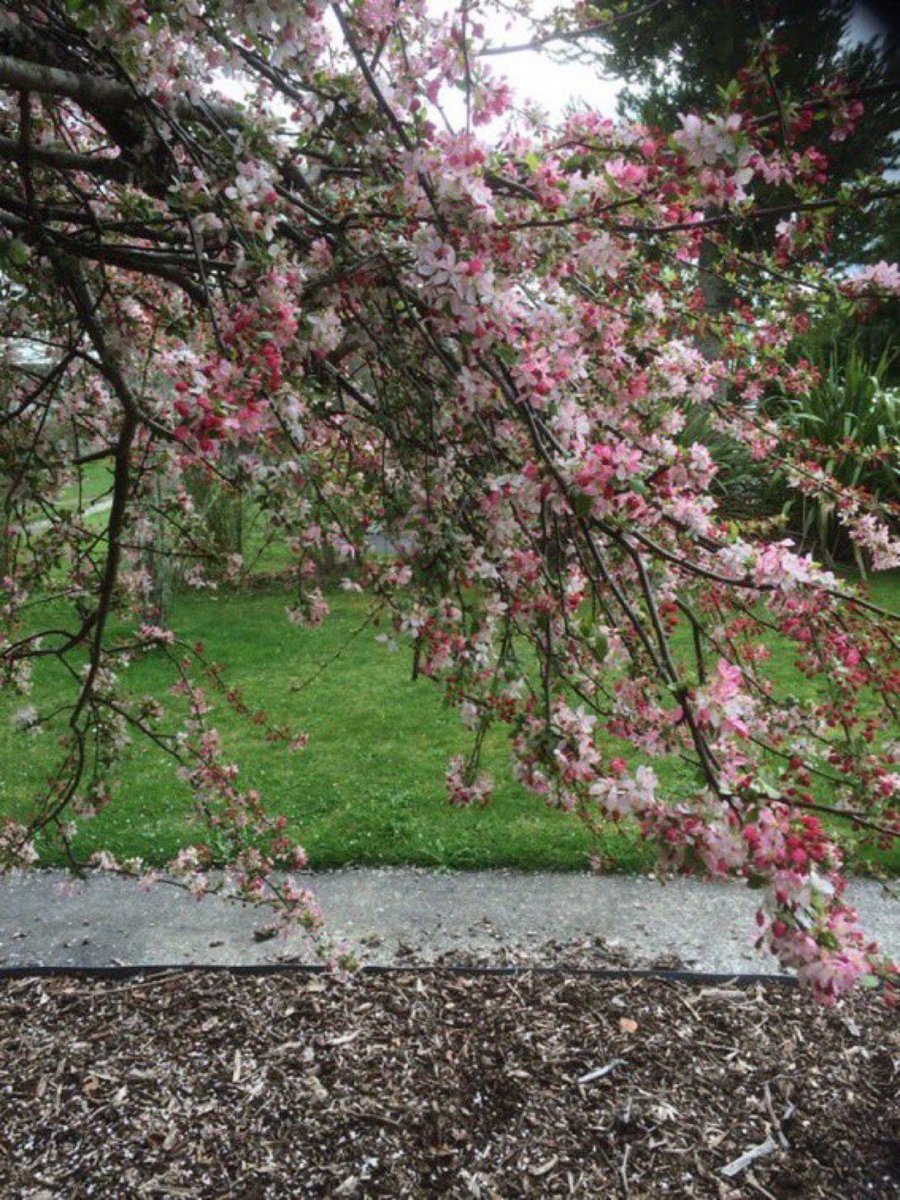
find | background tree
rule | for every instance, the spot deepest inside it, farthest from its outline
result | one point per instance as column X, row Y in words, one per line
column 681, row 56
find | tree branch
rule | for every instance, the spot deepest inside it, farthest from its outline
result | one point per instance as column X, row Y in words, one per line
column 115, row 169
column 102, row 95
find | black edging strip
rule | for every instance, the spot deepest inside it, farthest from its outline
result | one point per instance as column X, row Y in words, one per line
column 697, row 978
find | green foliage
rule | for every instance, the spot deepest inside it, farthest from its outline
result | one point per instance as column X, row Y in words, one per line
column 742, row 488
column 13, row 254
column 855, row 417
column 873, row 336
column 221, row 509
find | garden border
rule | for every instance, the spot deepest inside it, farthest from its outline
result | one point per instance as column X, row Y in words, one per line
column 698, row 978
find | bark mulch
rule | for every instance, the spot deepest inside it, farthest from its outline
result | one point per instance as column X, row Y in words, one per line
column 432, row 1084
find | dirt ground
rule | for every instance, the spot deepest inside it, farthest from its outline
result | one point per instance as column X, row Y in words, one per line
column 435, row 1083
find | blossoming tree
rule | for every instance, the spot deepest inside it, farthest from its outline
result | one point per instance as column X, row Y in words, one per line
column 371, row 317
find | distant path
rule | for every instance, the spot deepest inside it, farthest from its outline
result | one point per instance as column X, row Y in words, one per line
column 99, row 506
column 707, row 926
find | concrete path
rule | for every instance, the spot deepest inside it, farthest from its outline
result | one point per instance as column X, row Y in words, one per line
column 407, row 914
column 99, row 506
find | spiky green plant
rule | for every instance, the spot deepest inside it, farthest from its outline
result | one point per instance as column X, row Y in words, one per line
column 851, row 425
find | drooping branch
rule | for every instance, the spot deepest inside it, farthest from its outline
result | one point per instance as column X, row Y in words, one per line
column 115, row 169
column 129, row 258
column 102, row 95
column 472, row 349
column 575, row 35
column 87, row 90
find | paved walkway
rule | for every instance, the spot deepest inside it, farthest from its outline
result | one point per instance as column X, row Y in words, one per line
column 100, row 506
column 408, row 913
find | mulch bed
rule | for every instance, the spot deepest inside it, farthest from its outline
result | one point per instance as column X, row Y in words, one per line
column 432, row 1084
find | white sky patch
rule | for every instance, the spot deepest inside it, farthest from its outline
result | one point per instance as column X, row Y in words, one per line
column 863, row 26
column 535, row 76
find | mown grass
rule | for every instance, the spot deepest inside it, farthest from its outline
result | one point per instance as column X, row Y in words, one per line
column 369, row 787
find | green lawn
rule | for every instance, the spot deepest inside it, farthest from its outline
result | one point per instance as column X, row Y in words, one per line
column 368, row 788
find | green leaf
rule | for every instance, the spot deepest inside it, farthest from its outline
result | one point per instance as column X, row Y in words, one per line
column 600, row 645
column 581, row 502
column 17, row 253
column 763, row 785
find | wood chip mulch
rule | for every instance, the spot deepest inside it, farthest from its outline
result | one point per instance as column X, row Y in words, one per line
column 436, row 1084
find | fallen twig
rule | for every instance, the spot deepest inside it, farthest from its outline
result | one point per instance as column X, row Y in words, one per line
column 750, row 1157
column 601, row 1071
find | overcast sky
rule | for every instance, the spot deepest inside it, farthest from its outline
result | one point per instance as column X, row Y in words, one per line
column 535, row 76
